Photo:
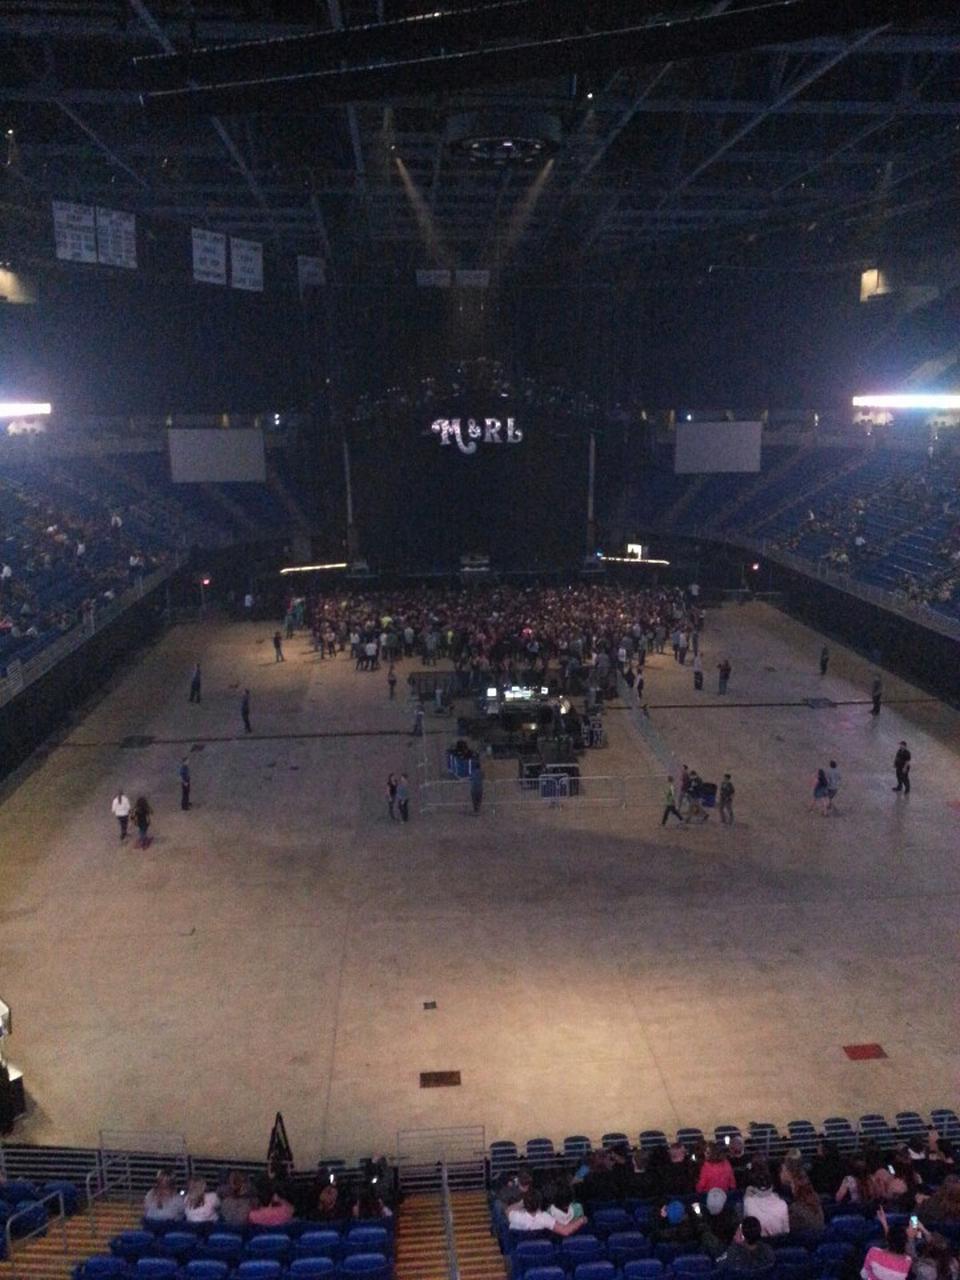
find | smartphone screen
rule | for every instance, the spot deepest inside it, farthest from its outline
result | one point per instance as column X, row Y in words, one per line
column 697, row 1210
column 914, row 1221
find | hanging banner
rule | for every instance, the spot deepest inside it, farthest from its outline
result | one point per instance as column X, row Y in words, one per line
column 116, row 238
column 246, row 264
column 209, row 256
column 310, row 273
column 430, row 279
column 473, row 279
column 74, row 231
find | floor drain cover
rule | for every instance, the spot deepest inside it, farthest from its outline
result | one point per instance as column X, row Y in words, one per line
column 137, row 740
column 439, row 1079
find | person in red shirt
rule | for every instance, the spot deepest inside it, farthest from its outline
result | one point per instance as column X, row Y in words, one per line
column 274, row 1210
column 716, row 1171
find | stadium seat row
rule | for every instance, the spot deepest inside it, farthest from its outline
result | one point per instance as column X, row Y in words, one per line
column 367, row 1266
column 230, row 1247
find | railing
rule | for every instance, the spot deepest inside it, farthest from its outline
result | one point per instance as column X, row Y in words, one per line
column 644, row 726
column 453, row 1262
column 112, row 1173
column 41, row 1230
column 425, row 1157
column 48, row 657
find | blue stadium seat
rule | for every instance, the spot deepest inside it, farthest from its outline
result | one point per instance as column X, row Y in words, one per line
column 668, row 1253
column 692, row 1264
column 874, row 1128
column 101, row 1266
column 575, row 1250
column 724, row 1131
column 613, row 1140
column 946, row 1123
column 223, row 1246
column 849, row 1227
column 530, row 1254
column 540, row 1150
column 155, row 1269
column 269, row 1244
column 19, row 1189
column 842, row 1132
column 910, row 1124
column 625, row 1246
column 131, row 1245
column 258, row 1269
column 366, row 1240
column 319, row 1244
column 650, row 1138
column 643, row 1269
column 546, row 1273
column 576, row 1146
column 371, row 1266
column 182, row 1245
column 595, row 1271
column 70, row 1193
column 504, row 1157
column 803, row 1134
column 689, row 1137
column 205, row 1269
column 832, row 1257
column 795, row 1264
column 317, row 1268
column 603, row 1222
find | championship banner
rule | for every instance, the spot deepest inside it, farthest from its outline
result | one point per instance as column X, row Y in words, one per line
column 209, row 256
column 74, row 231
column 117, row 238
column 310, row 273
column 246, row 264
column 428, row 279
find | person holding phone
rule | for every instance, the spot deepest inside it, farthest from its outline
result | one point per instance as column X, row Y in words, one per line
column 890, row 1260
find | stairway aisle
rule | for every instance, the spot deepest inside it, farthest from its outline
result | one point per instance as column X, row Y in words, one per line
column 421, row 1247
column 477, row 1250
column 44, row 1259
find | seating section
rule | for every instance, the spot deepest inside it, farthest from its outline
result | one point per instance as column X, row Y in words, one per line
column 28, row 1206
column 620, row 1239
column 300, row 1250
column 75, row 533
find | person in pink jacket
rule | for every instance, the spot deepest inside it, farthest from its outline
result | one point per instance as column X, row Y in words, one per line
column 716, row 1172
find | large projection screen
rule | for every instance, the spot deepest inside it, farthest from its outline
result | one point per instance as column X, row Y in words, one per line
column 216, row 457
column 704, row 447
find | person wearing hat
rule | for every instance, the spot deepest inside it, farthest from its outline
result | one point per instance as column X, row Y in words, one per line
column 675, row 1226
column 719, row 1224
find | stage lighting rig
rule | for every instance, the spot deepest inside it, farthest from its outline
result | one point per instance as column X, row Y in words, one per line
column 504, row 136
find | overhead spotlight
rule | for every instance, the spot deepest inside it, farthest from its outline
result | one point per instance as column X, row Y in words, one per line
column 590, row 96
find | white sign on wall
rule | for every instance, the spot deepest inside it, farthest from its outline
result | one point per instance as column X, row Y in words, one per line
column 116, row 238
column 209, row 256
column 246, row 264
column 467, row 435
column 74, row 231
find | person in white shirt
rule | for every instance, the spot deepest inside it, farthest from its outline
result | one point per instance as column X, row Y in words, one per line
column 530, row 1215
column 760, row 1201
column 200, row 1204
column 163, row 1203
column 121, row 811
column 833, row 784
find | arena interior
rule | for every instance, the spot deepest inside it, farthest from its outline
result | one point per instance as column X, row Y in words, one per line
column 479, row 619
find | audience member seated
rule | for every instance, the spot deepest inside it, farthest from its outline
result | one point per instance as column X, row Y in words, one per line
column 530, row 1215
column 273, row 1210
column 944, row 1205
column 716, row 1171
column 826, row 1168
column 933, row 1258
column 563, row 1208
column 760, row 1201
column 369, row 1205
column 890, row 1260
column 720, row 1224
column 805, row 1210
column 163, row 1202
column 200, row 1205
column 332, row 1203
column 676, row 1225
column 237, row 1198
column 748, row 1250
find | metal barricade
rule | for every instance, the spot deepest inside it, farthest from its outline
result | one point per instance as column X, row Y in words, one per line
column 426, row 1156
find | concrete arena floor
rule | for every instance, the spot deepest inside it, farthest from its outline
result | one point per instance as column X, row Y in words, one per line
column 275, row 946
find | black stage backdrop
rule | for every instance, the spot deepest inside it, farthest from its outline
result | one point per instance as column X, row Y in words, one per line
column 519, row 495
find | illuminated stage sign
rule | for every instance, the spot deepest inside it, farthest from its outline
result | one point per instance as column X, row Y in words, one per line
column 467, row 436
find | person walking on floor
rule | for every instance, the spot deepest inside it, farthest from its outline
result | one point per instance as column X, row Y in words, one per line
column 727, row 792
column 121, row 811
column 392, row 785
column 278, row 646
column 901, row 763
column 476, row 784
column 876, row 694
column 670, row 805
column 392, row 682
column 723, row 675
column 418, row 721
column 195, row 684
column 824, row 660
column 245, row 711
column 403, row 798
column 142, row 813
column 833, row 785
column 820, row 789
column 697, row 672
column 184, row 773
